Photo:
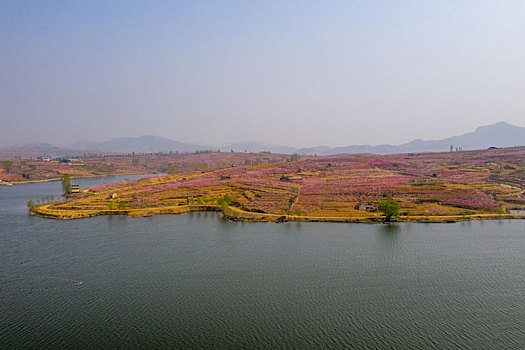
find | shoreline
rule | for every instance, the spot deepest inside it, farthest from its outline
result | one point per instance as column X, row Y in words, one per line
column 5, row 183
column 236, row 214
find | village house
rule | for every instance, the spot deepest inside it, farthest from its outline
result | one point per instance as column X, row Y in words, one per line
column 65, row 160
column 75, row 189
column 291, row 178
column 360, row 206
column 365, row 207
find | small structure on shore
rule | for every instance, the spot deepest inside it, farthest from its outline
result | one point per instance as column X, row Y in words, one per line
column 75, row 189
column 292, row 178
column 113, row 195
column 365, row 207
column 360, row 206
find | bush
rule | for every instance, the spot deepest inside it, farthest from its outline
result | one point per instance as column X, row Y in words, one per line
column 172, row 169
column 224, row 202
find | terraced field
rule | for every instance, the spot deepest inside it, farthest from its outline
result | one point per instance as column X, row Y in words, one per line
column 429, row 187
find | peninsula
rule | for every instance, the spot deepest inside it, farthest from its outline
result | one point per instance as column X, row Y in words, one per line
column 430, row 187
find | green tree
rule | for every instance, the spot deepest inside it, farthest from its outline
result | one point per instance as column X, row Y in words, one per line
column 66, row 183
column 389, row 207
column 30, row 204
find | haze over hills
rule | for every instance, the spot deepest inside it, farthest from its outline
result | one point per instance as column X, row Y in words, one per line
column 252, row 146
column 149, row 144
column 38, row 149
column 499, row 134
column 141, row 144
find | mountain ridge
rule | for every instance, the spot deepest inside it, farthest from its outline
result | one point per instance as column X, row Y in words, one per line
column 499, row 134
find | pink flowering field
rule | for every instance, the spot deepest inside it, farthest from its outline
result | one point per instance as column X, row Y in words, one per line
column 339, row 186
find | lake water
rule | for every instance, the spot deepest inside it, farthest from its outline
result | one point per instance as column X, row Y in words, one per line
column 199, row 281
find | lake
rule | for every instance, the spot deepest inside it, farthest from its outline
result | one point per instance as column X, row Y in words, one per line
column 199, row 281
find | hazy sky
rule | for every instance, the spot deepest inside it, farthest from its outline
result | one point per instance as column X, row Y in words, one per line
column 300, row 73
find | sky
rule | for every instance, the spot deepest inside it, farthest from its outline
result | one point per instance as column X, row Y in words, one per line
column 297, row 73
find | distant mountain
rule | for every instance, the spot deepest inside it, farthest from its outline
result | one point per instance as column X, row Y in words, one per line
column 142, row 144
column 496, row 135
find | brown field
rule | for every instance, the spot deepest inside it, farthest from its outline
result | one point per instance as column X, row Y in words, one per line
column 16, row 171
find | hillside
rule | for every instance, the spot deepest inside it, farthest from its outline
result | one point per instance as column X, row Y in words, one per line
column 431, row 186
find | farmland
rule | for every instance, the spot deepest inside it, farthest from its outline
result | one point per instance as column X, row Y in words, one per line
column 16, row 171
column 429, row 187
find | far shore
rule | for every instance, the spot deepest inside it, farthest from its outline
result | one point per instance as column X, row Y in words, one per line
column 9, row 183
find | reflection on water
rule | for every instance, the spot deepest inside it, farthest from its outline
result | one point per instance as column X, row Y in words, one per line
column 390, row 228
